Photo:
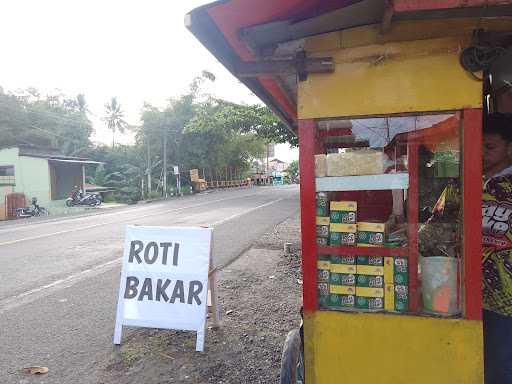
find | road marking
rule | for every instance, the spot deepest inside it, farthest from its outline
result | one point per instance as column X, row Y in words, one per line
column 244, row 212
column 65, row 220
column 30, row 296
column 119, row 221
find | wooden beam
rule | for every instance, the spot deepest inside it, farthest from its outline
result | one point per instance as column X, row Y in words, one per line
column 284, row 67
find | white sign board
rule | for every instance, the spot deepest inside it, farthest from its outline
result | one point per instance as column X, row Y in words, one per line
column 164, row 280
column 176, row 170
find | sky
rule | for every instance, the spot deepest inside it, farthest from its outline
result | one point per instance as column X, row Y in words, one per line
column 135, row 50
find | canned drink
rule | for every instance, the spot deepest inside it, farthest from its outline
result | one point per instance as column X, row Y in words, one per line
column 322, row 231
column 370, row 260
column 369, row 303
column 322, row 241
column 370, row 281
column 323, row 295
column 341, row 301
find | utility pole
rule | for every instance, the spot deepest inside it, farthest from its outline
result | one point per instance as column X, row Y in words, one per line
column 165, row 166
column 149, row 165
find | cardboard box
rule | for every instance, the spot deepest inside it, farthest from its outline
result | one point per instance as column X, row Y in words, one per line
column 323, row 295
column 342, row 289
column 370, row 260
column 343, row 212
column 323, row 271
column 342, row 234
column 389, row 297
column 341, row 301
column 396, row 298
column 322, row 211
column 344, row 268
column 396, row 270
column 337, row 259
column 355, row 162
column 342, row 279
column 370, row 233
column 322, row 231
column 370, row 281
column 320, row 165
column 370, row 270
column 370, row 303
column 401, row 298
column 369, row 292
column 322, row 241
column 323, row 220
column 322, row 204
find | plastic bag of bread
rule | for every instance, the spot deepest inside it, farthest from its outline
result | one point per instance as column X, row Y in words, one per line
column 320, row 165
column 354, row 162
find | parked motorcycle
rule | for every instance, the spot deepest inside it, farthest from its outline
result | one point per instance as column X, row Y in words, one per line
column 90, row 200
column 33, row 210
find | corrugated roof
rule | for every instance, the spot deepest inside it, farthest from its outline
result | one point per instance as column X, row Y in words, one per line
column 44, row 152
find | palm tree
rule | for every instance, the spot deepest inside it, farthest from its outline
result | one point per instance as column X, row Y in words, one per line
column 82, row 104
column 114, row 118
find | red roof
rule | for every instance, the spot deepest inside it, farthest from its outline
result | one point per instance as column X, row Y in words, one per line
column 219, row 25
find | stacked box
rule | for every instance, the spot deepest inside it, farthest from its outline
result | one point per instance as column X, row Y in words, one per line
column 323, row 271
column 342, row 234
column 323, row 295
column 396, row 270
column 369, row 303
column 370, row 282
column 343, row 264
column 322, row 227
column 401, row 298
column 322, row 204
column 370, row 265
column 396, row 298
column 323, row 268
column 341, row 301
column 370, row 234
column 342, row 282
column 343, row 212
column 322, row 242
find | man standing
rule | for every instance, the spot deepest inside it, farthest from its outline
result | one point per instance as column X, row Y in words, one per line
column 497, row 249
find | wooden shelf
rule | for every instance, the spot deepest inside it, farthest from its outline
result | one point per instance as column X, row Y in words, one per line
column 361, row 183
column 366, row 251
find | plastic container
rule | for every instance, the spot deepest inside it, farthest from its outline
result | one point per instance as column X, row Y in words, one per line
column 439, row 285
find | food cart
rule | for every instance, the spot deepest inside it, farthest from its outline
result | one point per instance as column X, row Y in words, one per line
column 388, row 100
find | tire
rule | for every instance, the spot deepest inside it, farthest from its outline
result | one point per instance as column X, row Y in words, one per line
column 69, row 203
column 292, row 360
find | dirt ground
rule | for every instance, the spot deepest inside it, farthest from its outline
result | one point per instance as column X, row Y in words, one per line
column 260, row 299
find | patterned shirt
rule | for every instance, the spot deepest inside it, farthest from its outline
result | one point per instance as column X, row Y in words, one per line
column 497, row 244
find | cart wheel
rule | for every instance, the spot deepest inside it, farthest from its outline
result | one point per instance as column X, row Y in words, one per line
column 292, row 361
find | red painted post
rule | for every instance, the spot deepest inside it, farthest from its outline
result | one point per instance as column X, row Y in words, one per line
column 413, row 219
column 307, row 138
column 472, row 210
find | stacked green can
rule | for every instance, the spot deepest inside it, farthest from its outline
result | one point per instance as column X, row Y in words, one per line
column 342, row 282
column 370, row 283
column 323, row 274
column 322, row 219
column 396, row 279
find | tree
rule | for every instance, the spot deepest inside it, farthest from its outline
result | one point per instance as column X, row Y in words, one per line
column 293, row 169
column 114, row 118
column 27, row 117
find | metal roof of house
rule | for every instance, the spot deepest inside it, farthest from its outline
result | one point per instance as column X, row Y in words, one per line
column 241, row 31
column 45, row 153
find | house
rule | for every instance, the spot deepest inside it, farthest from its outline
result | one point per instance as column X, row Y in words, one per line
column 276, row 165
column 38, row 172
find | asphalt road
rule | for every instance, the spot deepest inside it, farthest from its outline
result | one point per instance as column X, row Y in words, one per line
column 59, row 277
